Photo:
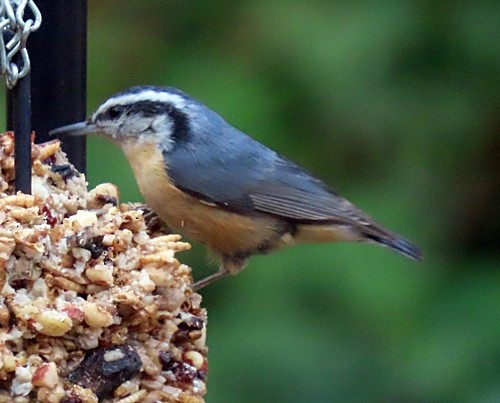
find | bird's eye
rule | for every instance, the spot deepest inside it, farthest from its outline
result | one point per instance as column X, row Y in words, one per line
column 115, row 112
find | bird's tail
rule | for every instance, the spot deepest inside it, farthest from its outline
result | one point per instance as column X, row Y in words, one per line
column 398, row 244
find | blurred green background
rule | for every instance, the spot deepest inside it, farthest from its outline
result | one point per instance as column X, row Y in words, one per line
column 394, row 104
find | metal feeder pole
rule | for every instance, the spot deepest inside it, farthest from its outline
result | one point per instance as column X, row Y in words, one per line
column 58, row 52
column 16, row 67
column 19, row 120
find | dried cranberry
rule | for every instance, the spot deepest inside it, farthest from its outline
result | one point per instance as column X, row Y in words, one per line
column 182, row 371
column 51, row 220
column 185, row 373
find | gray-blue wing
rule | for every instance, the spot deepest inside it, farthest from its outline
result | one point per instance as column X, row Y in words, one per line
column 240, row 174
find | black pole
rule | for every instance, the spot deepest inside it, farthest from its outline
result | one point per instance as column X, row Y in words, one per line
column 10, row 112
column 58, row 53
column 19, row 120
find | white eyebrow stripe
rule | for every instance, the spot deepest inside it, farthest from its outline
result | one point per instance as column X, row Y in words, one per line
column 147, row 95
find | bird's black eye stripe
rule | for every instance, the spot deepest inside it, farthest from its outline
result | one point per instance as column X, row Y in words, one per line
column 115, row 111
column 153, row 109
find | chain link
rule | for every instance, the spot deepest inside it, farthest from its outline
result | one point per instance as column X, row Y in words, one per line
column 14, row 32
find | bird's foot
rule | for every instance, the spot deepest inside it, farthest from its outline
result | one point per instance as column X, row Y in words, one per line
column 218, row 275
column 153, row 222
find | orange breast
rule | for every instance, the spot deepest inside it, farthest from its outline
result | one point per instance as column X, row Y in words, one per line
column 224, row 232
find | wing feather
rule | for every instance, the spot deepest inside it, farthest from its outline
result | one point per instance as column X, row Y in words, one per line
column 234, row 171
column 301, row 205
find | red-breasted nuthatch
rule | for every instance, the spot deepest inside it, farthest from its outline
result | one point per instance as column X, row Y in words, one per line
column 219, row 186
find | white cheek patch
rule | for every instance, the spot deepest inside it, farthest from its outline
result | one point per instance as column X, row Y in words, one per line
column 161, row 124
column 134, row 124
column 162, row 127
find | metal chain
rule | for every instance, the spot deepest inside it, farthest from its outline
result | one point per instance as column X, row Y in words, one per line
column 15, row 31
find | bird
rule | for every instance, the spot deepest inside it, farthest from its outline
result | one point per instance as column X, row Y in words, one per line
column 221, row 187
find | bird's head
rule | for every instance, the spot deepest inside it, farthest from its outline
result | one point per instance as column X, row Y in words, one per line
column 142, row 114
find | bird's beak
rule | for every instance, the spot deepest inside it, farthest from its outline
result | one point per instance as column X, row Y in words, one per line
column 75, row 129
